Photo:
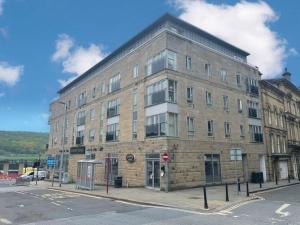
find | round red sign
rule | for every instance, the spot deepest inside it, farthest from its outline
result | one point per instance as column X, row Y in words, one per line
column 165, row 156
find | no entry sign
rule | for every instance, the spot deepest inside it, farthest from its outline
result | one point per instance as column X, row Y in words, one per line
column 165, row 156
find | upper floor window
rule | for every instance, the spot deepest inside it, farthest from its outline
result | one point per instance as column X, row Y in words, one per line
column 82, row 99
column 161, row 91
column 191, row 126
column 252, row 86
column 210, row 128
column 135, row 71
column 93, row 113
column 208, row 98
column 189, row 92
column 227, row 129
column 223, row 74
column 92, row 135
column 256, row 134
column 164, row 124
column 114, row 83
column 270, row 116
column 80, row 118
column 240, row 106
column 166, row 59
column 113, row 108
column 238, row 80
column 102, row 88
column 188, row 63
column 112, row 133
column 226, row 102
column 253, row 109
column 94, row 92
column 69, row 104
column 242, row 130
column 207, row 69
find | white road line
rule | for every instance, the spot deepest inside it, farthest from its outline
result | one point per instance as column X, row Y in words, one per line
column 54, row 203
column 5, row 221
column 279, row 211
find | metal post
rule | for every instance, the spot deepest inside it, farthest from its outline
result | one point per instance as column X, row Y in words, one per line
column 227, row 195
column 167, row 176
column 52, row 175
column 276, row 180
column 205, row 198
column 289, row 179
column 37, row 169
column 63, row 145
column 247, row 188
column 298, row 176
column 239, row 185
column 260, row 184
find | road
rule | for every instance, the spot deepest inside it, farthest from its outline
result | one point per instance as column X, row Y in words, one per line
column 30, row 205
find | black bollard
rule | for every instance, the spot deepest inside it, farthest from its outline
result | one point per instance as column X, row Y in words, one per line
column 289, row 179
column 205, row 198
column 239, row 185
column 298, row 176
column 247, row 188
column 260, row 184
column 227, row 195
column 276, row 179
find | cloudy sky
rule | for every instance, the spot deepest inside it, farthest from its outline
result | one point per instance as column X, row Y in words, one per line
column 45, row 44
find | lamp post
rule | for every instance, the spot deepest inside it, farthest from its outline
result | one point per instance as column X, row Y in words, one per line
column 63, row 144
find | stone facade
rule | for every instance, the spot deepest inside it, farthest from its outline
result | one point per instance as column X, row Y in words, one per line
column 224, row 88
column 281, row 109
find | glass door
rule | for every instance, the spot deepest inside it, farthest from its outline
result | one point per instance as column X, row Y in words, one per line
column 153, row 174
column 212, row 168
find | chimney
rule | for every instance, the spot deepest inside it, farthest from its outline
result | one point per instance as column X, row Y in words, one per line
column 286, row 75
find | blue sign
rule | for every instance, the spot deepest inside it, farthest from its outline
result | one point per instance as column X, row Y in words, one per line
column 51, row 162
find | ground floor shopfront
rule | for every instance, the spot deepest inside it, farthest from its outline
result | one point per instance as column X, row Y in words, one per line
column 190, row 163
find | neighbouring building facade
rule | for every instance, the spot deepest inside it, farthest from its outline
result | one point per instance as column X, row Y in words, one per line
column 173, row 89
column 281, row 107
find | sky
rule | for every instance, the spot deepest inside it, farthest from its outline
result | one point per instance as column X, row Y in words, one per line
column 44, row 44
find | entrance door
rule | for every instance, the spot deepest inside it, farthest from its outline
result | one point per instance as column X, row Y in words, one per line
column 212, row 168
column 283, row 169
column 295, row 166
column 245, row 166
column 153, row 173
column 263, row 167
column 111, row 167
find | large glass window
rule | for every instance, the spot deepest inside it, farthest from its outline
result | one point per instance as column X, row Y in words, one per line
column 160, row 92
column 208, row 98
column 253, row 109
column 80, row 118
column 207, row 68
column 188, row 63
column 114, row 83
column 191, row 126
column 256, row 134
column 164, row 124
column 166, row 59
column 189, row 93
column 112, row 133
column 227, row 129
column 210, row 128
column 223, row 74
column 226, row 102
column 82, row 99
column 113, row 108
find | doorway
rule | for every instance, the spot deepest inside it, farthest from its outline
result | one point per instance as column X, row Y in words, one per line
column 263, row 167
column 153, row 170
column 245, row 166
column 283, row 169
column 212, row 168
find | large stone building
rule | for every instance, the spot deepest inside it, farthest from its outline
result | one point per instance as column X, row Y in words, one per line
column 281, row 106
column 174, row 89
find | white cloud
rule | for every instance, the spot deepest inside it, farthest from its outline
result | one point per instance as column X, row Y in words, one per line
column 245, row 25
column 2, row 94
column 75, row 59
column 1, row 6
column 9, row 74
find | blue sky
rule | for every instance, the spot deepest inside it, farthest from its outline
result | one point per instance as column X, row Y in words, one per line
column 33, row 31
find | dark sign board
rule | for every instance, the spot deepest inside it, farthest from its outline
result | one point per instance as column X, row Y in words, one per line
column 130, row 157
column 77, row 150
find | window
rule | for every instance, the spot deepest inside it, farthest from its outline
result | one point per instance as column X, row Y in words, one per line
column 80, row 118
column 238, row 80
column 113, row 108
column 284, row 145
column 207, row 69
column 82, row 99
column 102, row 88
column 240, row 106
column 161, row 92
column 94, row 92
column 252, row 86
column 112, row 133
column 208, row 98
column 101, row 132
column 227, row 129
column 210, row 128
column 80, row 137
column 93, row 113
column 134, row 100
column 135, row 71
column 281, row 119
column 91, row 135
column 253, row 109
column 270, row 116
column 278, row 144
column 166, row 59
column 69, row 104
column 114, row 83
column 223, row 74
column 256, row 134
column 272, row 143
column 189, row 92
column 134, row 125
column 188, row 63
column 226, row 103
column 242, row 131
column 191, row 126
column 164, row 124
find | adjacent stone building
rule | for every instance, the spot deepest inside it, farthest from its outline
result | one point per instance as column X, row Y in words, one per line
column 174, row 89
column 281, row 107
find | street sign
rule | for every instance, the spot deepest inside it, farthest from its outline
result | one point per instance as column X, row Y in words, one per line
column 51, row 162
column 165, row 156
column 236, row 154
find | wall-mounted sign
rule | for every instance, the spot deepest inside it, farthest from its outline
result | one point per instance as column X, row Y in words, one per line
column 77, row 150
column 130, row 157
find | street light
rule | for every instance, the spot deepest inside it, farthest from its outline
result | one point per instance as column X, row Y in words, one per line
column 63, row 143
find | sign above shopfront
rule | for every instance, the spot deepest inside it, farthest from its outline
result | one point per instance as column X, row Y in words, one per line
column 77, row 150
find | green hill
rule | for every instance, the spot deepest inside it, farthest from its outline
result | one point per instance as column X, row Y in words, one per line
column 21, row 145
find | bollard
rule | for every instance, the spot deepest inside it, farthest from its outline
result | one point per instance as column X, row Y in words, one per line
column 276, row 179
column 227, row 195
column 205, row 198
column 247, row 188
column 289, row 179
column 239, row 185
column 298, row 176
column 260, row 184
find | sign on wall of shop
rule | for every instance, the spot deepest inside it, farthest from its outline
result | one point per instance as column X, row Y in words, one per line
column 130, row 157
column 77, row 150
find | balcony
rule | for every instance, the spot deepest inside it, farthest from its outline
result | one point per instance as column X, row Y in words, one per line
column 80, row 140
column 293, row 144
column 155, row 130
column 252, row 113
column 253, row 90
column 258, row 138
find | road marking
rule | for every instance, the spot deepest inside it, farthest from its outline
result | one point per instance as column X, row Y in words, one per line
column 279, row 211
column 54, row 203
column 5, row 221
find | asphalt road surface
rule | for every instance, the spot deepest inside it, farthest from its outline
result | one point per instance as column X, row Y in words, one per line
column 30, row 205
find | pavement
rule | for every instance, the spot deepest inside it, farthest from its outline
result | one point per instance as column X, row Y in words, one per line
column 188, row 199
column 37, row 205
